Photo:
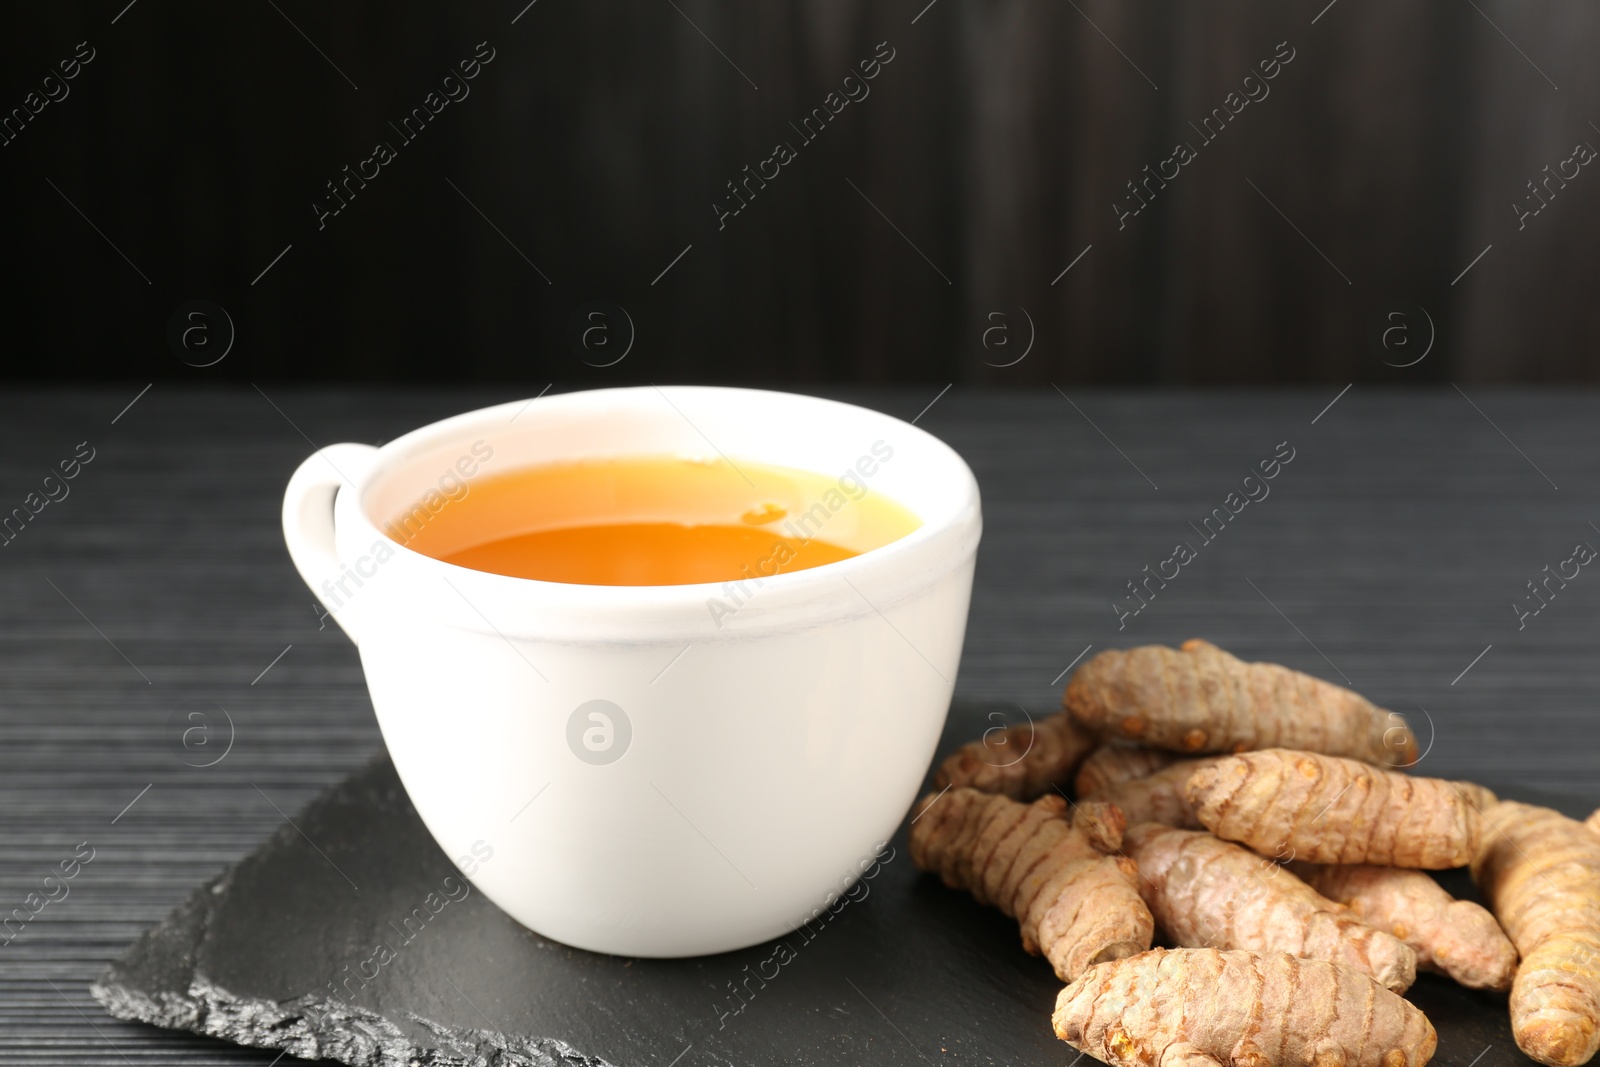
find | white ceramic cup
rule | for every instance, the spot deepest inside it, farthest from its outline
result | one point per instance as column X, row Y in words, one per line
column 741, row 767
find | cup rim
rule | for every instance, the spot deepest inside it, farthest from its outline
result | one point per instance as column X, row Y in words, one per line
column 962, row 508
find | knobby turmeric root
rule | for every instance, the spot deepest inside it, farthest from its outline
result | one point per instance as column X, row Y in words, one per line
column 1076, row 903
column 1479, row 796
column 1160, row 797
column 1114, row 764
column 1205, row 892
column 1201, row 699
column 1198, row 1007
column 1323, row 809
column 1540, row 872
column 1454, row 937
column 1021, row 761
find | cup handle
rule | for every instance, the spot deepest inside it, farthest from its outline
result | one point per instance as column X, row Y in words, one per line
column 308, row 528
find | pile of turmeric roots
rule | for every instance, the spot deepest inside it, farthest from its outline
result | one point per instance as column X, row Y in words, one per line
column 1260, row 822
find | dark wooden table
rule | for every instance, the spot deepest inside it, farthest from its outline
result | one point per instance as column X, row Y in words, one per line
column 154, row 605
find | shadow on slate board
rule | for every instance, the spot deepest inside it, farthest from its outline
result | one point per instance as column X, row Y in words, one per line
column 909, row 973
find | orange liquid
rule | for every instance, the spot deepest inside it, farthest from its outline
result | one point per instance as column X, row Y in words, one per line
column 656, row 520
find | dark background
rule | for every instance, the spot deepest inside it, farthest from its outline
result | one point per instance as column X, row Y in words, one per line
column 986, row 158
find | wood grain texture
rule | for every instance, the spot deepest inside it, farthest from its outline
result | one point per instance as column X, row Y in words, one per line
column 1393, row 545
column 987, row 157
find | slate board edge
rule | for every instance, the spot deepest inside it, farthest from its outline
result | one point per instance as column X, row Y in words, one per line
column 310, row 1027
column 313, row 1027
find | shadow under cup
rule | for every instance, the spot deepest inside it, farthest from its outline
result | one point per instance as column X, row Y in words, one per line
column 652, row 770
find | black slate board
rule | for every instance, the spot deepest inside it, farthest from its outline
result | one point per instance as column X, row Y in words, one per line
column 904, row 974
